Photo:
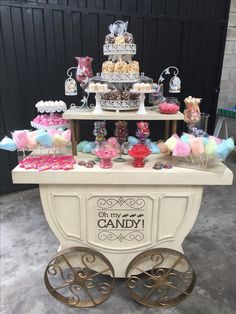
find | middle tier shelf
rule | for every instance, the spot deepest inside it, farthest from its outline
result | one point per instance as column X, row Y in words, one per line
column 71, row 114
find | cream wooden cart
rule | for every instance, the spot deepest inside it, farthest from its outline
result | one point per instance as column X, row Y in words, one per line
column 122, row 211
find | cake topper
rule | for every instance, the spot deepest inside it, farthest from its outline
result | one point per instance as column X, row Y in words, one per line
column 118, row 28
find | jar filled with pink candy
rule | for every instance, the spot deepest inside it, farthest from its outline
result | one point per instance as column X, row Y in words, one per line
column 192, row 112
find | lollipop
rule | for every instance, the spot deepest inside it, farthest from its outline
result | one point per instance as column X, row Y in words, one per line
column 20, row 139
column 8, row 144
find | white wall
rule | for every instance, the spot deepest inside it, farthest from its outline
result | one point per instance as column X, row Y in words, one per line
column 228, row 79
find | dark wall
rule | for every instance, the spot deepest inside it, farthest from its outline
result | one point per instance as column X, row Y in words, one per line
column 39, row 39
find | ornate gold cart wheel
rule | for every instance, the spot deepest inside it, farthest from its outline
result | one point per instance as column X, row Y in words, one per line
column 79, row 277
column 160, row 278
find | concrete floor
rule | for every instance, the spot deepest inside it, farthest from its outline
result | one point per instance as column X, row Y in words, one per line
column 27, row 245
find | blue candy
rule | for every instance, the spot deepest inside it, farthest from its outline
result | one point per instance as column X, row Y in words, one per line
column 230, row 144
column 7, row 143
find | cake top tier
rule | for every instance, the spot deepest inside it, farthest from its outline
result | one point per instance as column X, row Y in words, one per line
column 118, row 34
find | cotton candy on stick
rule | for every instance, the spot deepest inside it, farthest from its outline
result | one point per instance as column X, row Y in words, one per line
column 20, row 139
column 31, row 137
column 181, row 149
column 196, row 146
column 8, row 144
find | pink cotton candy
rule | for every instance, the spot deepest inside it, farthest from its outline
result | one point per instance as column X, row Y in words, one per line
column 216, row 139
column 163, row 148
column 52, row 132
column 196, row 146
column 67, row 135
column 181, row 149
column 20, row 139
column 32, row 143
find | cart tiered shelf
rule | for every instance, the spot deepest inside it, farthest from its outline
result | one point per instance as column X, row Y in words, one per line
column 75, row 116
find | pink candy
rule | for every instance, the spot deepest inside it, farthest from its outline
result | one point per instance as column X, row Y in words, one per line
column 168, row 108
column 50, row 120
column 43, row 163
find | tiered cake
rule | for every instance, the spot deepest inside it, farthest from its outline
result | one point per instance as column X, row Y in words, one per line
column 119, row 72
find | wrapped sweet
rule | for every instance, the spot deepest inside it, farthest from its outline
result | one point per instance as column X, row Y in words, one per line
column 125, row 95
column 110, row 39
column 171, row 142
column 108, row 67
column 133, row 67
column 121, row 67
column 119, row 40
column 84, row 69
column 129, row 39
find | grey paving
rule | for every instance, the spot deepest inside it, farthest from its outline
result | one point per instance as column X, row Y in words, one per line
column 27, row 245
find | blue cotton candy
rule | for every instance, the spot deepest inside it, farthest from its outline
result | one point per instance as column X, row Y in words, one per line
column 222, row 150
column 44, row 139
column 204, row 140
column 230, row 144
column 154, row 148
column 147, row 141
column 7, row 143
column 88, row 147
column 132, row 140
column 185, row 138
column 81, row 145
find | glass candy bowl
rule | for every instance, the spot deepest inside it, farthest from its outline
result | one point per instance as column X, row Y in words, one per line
column 105, row 156
column 139, row 152
column 169, row 106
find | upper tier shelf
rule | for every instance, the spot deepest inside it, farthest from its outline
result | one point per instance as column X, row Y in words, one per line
column 141, row 78
column 119, row 49
column 124, row 115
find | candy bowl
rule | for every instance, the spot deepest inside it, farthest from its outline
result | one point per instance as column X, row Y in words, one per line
column 139, row 152
column 105, row 155
column 169, row 106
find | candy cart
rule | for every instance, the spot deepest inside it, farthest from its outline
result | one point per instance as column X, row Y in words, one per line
column 123, row 221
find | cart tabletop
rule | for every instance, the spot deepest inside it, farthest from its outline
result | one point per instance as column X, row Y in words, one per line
column 123, row 173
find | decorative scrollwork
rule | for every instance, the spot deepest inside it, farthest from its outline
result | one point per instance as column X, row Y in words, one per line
column 108, row 203
column 76, row 277
column 130, row 236
column 120, row 77
column 109, row 49
column 120, row 104
column 158, row 277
